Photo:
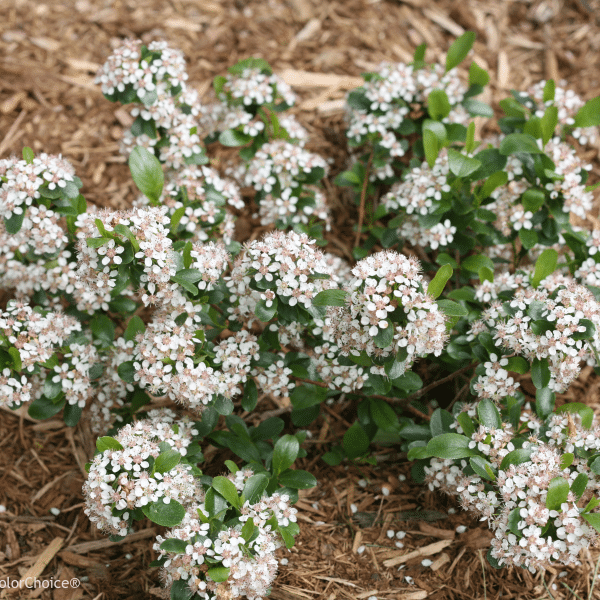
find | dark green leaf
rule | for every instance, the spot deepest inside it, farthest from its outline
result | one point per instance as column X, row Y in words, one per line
column 218, row 574
column 459, row 50
column 437, row 284
column 166, row 461
column 356, row 441
column 450, row 445
column 544, row 266
column 519, row 142
column 147, row 173
column 488, row 414
column 558, row 490
column 285, row 453
column 227, row 489
column 330, row 298
column 297, row 480
column 589, row 114
column 540, row 373
column 108, row 443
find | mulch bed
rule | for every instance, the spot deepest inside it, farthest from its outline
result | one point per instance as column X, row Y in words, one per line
column 49, row 52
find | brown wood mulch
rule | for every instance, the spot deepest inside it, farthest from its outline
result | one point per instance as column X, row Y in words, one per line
column 49, row 52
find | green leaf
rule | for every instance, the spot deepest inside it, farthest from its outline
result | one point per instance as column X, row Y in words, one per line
column 438, row 105
column 44, row 408
column 419, row 55
column 549, row 91
column 250, row 397
column 108, row 443
column 383, row 414
column 218, row 574
column 15, row 356
column 578, row 486
column 128, row 234
column 528, row 237
column 519, row 142
column 174, row 545
column 548, row 123
column 28, row 155
column 593, row 520
column 517, row 364
column 233, row 138
column 180, row 590
column 584, row 411
column 14, row 223
column 516, row 457
column 135, row 326
column 431, row 147
column 285, row 453
column 465, row 421
column 478, row 108
column 330, row 298
column 544, row 266
column 452, row 309
column 566, row 460
column 540, row 373
column 532, row 199
column 544, row 402
column 147, row 173
column 166, row 461
column 488, row 414
column 385, row 336
column 450, row 445
column 103, row 329
column 475, row 262
column 459, row 50
column 482, row 467
column 126, row 371
column 297, row 480
column 265, row 313
column 227, row 489
column 558, row 490
column 589, row 114
column 496, row 180
column 440, row 422
column 255, row 486
column 437, row 284
column 478, row 76
column 161, row 513
column 356, row 441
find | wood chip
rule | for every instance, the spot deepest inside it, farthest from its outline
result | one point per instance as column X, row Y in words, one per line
column 440, row 561
column 429, row 550
column 357, row 540
column 40, row 564
column 106, row 543
column 444, row 534
column 297, row 78
column 503, row 70
column 76, row 560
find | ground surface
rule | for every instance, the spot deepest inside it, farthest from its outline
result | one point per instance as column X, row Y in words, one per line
column 49, row 52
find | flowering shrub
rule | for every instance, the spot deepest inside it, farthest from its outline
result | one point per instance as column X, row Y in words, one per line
column 113, row 309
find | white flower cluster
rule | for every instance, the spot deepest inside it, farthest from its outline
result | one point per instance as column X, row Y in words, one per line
column 164, row 362
column 41, row 233
column 283, row 265
column 112, row 390
column 422, row 186
column 546, row 325
column 568, row 104
column 338, row 377
column 391, row 94
column 570, row 167
column 22, row 183
column 98, row 265
column 495, row 382
column 275, row 379
column 251, row 562
column 386, row 283
column 34, row 334
column 527, row 532
column 201, row 192
column 166, row 111
column 287, row 209
column 280, row 165
column 73, row 374
column 121, row 479
column 161, row 67
column 437, row 236
column 234, row 355
column 253, row 87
